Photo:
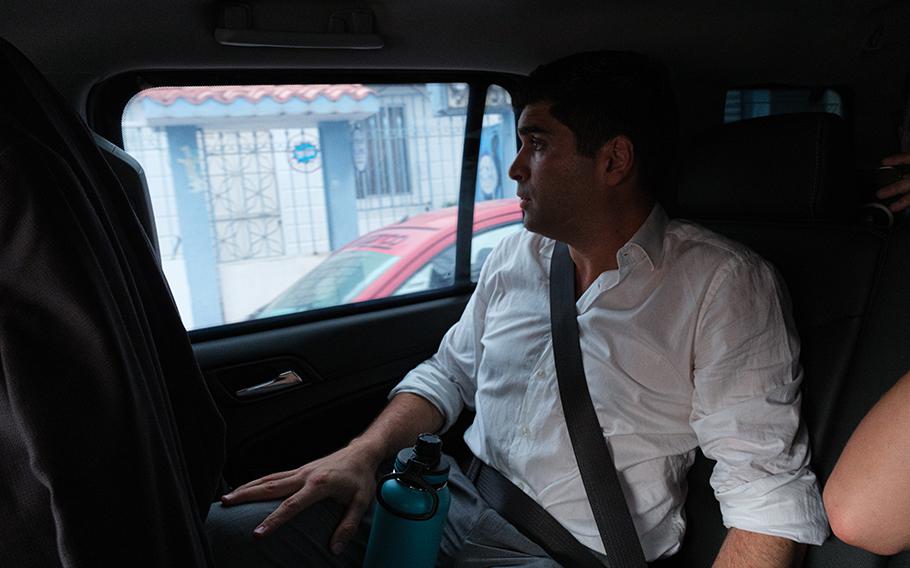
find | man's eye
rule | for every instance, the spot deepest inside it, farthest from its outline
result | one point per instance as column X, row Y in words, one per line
column 537, row 144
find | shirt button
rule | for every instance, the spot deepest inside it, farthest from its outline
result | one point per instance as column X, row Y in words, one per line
column 540, row 374
column 525, row 431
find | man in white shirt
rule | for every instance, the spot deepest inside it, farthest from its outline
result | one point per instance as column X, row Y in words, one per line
column 686, row 340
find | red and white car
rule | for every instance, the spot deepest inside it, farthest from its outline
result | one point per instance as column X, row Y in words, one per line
column 414, row 255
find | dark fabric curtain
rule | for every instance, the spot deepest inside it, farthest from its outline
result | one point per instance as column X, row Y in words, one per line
column 110, row 445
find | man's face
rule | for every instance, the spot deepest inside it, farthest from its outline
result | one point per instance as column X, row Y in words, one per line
column 555, row 183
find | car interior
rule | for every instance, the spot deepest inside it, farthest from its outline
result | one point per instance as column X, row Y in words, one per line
column 109, row 406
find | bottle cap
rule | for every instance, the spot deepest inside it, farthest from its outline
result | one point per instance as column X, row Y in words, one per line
column 428, row 450
column 424, row 459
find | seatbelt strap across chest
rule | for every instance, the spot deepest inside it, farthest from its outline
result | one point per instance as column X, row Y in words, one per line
column 598, row 473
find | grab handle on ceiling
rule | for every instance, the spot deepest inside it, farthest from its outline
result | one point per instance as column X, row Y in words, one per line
column 352, row 29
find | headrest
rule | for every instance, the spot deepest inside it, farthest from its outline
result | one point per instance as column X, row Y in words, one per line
column 794, row 166
column 132, row 177
column 29, row 102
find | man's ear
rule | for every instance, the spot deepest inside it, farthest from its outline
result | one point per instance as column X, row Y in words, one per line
column 616, row 160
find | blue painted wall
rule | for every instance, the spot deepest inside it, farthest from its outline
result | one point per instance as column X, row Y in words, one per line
column 340, row 183
column 197, row 236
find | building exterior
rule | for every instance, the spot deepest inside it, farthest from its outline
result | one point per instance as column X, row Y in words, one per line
column 252, row 186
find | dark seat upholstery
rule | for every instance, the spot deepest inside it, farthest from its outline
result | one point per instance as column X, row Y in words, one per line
column 132, row 178
column 782, row 185
column 110, row 445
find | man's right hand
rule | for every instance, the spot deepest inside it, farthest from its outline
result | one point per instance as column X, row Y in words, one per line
column 347, row 476
column 900, row 188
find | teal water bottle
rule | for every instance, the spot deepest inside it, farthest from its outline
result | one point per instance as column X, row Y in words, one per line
column 412, row 503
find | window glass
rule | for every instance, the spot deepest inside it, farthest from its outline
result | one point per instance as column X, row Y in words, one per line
column 440, row 270
column 483, row 243
column 336, row 281
column 273, row 199
column 495, row 201
column 742, row 104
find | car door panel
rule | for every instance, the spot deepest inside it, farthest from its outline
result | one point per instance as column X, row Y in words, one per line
column 346, row 364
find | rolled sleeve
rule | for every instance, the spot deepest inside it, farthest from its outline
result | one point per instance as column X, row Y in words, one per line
column 448, row 379
column 441, row 379
column 787, row 505
column 746, row 407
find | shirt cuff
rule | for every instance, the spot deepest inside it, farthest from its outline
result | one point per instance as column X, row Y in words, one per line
column 787, row 505
column 414, row 383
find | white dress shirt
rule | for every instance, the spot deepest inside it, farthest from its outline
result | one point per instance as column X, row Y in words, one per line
column 689, row 343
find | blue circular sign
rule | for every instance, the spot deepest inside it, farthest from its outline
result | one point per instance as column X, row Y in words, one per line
column 304, row 155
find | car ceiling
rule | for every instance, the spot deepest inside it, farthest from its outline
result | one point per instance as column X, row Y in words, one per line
column 862, row 44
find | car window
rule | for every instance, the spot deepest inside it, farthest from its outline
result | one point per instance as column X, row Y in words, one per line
column 484, row 242
column 275, row 199
column 440, row 270
column 495, row 202
column 335, row 281
column 741, row 104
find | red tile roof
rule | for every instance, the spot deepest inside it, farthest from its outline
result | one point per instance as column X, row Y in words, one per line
column 254, row 93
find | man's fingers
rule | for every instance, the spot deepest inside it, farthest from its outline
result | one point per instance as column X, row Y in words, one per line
column 349, row 523
column 896, row 159
column 900, row 204
column 262, row 491
column 285, row 512
column 267, row 478
column 898, row 187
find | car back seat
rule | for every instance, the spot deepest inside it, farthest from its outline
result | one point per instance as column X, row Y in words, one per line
column 782, row 186
column 132, row 178
column 880, row 358
column 106, row 425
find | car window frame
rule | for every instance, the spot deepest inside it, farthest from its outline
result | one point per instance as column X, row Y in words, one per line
column 843, row 91
column 107, row 101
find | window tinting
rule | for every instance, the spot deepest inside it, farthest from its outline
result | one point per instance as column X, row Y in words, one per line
column 742, row 104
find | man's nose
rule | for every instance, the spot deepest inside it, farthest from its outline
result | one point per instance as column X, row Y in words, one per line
column 518, row 171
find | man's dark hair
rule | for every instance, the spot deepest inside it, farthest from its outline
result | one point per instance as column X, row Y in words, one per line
column 602, row 94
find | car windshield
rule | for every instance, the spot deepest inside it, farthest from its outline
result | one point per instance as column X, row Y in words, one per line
column 341, row 277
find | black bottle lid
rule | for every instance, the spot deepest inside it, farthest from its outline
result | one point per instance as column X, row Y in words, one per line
column 424, row 458
column 428, row 449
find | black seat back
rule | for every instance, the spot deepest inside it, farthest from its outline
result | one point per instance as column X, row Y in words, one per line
column 879, row 359
column 782, row 186
column 110, row 445
column 132, row 178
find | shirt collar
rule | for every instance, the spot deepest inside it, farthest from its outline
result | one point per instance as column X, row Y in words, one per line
column 649, row 238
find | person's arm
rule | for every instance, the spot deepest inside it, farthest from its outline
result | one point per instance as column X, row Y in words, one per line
column 868, row 493
column 746, row 414
column 347, row 475
column 900, row 188
column 428, row 399
column 745, row 549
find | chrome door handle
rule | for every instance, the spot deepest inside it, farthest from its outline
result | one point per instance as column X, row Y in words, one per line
column 283, row 381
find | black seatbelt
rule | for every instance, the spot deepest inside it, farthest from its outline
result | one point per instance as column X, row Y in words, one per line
column 598, row 474
column 532, row 520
